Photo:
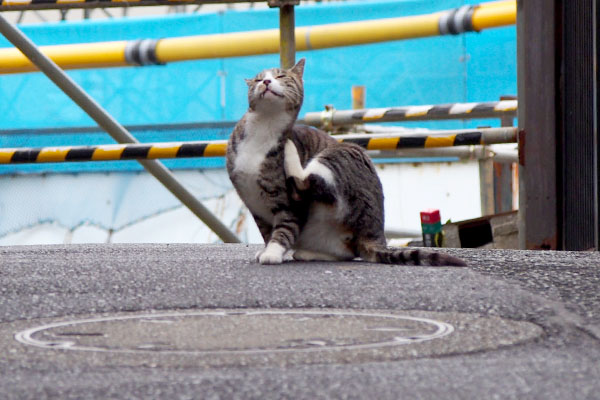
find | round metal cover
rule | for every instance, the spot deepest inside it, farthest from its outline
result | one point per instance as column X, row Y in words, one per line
column 259, row 336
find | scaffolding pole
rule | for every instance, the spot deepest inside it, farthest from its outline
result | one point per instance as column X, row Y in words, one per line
column 287, row 31
column 332, row 117
column 239, row 44
column 112, row 127
column 475, row 152
column 433, row 139
column 218, row 148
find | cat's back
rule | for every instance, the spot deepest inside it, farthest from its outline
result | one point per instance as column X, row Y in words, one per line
column 310, row 141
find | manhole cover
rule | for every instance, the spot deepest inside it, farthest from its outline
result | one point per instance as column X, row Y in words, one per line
column 259, row 331
column 225, row 337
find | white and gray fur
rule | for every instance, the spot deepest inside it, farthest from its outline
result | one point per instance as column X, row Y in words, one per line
column 307, row 192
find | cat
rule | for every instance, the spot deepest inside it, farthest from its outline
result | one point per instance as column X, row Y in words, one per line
column 306, row 191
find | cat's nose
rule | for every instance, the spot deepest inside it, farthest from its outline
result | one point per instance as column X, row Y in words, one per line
column 267, row 82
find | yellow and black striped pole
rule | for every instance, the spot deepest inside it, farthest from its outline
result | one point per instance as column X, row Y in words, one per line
column 433, row 139
column 239, row 44
column 138, row 151
column 494, row 109
column 113, row 152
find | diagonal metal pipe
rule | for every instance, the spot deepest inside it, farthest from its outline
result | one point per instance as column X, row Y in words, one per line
column 112, row 127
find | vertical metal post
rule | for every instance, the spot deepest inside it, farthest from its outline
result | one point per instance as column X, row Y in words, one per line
column 287, row 34
column 537, row 78
column 503, row 194
column 486, row 185
column 287, row 37
column 503, row 175
column 495, row 179
column 110, row 125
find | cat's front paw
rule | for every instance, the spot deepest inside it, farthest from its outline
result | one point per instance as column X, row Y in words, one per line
column 257, row 255
column 272, row 254
column 267, row 258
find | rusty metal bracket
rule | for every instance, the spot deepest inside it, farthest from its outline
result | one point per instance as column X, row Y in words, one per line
column 521, row 142
column 281, row 3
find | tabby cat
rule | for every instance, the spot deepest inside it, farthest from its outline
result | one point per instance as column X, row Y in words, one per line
column 306, row 191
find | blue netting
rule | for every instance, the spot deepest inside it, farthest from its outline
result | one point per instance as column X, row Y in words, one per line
column 470, row 67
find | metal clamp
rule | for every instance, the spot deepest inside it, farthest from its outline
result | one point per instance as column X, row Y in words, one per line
column 457, row 21
column 327, row 118
column 142, row 52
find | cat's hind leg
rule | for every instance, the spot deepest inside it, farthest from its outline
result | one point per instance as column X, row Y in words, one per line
column 307, row 255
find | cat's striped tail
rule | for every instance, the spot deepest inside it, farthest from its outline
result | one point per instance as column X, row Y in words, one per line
column 408, row 256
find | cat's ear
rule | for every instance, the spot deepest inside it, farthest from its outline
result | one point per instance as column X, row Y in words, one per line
column 248, row 82
column 298, row 69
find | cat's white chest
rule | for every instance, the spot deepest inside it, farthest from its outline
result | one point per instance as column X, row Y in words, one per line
column 262, row 135
column 251, row 154
column 248, row 170
column 253, row 198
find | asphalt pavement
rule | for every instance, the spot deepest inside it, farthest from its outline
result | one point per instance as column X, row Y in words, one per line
column 168, row 321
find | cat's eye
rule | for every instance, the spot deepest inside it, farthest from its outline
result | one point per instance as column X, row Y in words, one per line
column 280, row 76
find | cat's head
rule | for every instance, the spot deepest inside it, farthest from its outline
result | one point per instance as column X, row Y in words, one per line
column 277, row 89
